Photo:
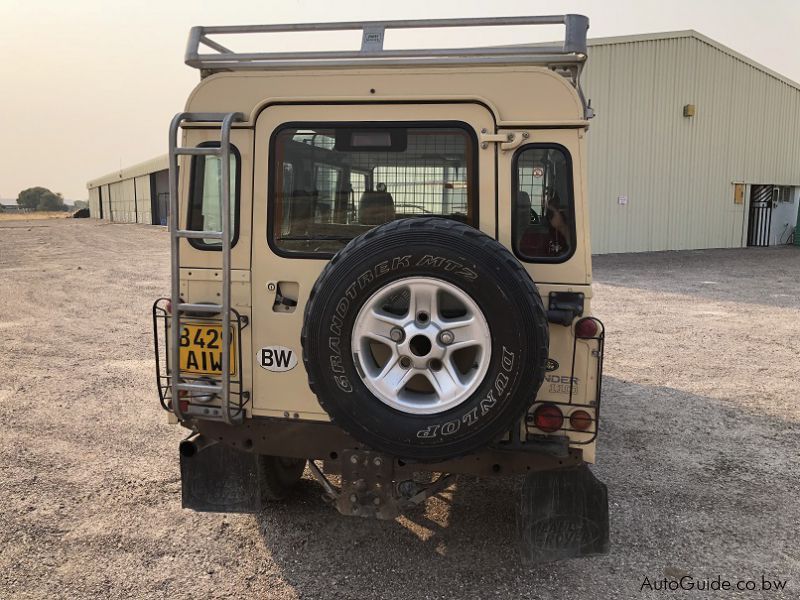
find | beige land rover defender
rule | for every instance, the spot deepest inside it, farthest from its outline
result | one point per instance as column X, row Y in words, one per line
column 381, row 267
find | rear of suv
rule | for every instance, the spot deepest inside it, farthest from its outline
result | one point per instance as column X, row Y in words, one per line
column 380, row 268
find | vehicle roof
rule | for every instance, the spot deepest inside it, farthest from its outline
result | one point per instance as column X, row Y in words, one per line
column 516, row 95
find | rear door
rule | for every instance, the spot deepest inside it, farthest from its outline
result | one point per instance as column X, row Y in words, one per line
column 324, row 174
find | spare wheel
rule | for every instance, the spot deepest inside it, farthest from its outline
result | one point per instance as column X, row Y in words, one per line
column 425, row 339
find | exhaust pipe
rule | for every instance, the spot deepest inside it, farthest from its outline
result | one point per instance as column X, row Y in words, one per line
column 194, row 444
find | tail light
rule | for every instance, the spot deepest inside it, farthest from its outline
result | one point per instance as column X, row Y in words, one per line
column 183, row 402
column 580, row 420
column 587, row 328
column 548, row 418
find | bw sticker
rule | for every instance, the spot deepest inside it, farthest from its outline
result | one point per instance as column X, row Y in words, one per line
column 277, row 358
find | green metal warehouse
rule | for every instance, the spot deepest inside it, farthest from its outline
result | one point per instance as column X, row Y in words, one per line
column 693, row 146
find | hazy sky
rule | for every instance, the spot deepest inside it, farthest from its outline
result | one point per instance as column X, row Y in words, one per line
column 87, row 86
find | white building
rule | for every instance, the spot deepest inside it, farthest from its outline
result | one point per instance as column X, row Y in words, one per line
column 137, row 194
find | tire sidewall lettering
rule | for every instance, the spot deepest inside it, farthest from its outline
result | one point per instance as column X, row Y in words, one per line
column 447, row 265
column 367, row 278
column 342, row 308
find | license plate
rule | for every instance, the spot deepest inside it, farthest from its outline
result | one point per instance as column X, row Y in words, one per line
column 201, row 349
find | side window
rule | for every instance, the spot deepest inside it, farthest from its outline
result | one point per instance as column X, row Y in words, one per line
column 205, row 199
column 543, row 216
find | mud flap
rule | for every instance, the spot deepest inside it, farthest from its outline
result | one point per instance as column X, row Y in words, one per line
column 221, row 479
column 562, row 514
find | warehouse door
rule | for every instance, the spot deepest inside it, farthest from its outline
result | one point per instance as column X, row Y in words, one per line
column 758, row 229
column 159, row 190
column 784, row 215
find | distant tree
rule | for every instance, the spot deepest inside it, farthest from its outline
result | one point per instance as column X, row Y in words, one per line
column 30, row 198
column 51, row 201
column 39, row 198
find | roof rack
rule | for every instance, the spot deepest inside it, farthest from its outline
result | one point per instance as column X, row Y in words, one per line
column 565, row 58
column 571, row 51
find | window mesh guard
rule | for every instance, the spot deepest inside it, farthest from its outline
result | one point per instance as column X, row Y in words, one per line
column 328, row 193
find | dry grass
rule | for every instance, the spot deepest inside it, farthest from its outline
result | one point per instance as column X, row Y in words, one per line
column 34, row 216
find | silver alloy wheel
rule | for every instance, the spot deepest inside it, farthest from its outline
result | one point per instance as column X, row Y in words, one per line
column 421, row 345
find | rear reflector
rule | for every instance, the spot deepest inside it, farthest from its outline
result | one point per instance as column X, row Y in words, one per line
column 580, row 420
column 548, row 418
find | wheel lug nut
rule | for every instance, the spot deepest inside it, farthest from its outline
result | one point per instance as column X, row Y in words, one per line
column 434, row 364
column 446, row 337
column 397, row 334
column 405, row 362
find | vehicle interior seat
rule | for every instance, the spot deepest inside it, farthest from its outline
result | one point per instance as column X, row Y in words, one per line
column 376, row 208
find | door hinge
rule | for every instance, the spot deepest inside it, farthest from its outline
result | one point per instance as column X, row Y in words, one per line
column 508, row 140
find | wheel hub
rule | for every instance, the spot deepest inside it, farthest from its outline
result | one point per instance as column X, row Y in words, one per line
column 420, row 345
column 425, row 354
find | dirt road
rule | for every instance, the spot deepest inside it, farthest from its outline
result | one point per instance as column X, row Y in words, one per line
column 699, row 448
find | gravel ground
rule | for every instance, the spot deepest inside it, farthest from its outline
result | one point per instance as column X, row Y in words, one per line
column 699, row 445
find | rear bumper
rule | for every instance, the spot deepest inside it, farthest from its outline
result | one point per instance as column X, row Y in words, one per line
column 326, row 441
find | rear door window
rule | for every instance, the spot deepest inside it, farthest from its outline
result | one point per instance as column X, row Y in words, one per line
column 334, row 182
column 543, row 216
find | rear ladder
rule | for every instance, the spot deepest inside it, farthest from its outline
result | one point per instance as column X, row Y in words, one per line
column 222, row 389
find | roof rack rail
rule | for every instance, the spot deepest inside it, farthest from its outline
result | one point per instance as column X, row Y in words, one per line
column 565, row 58
column 572, row 50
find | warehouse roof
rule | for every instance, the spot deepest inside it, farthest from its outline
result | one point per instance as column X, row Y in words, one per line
column 143, row 168
column 689, row 33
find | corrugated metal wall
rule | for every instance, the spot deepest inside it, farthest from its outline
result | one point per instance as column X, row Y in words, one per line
column 94, row 201
column 124, row 201
column 106, row 200
column 144, row 208
column 115, row 212
column 677, row 172
column 125, row 195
